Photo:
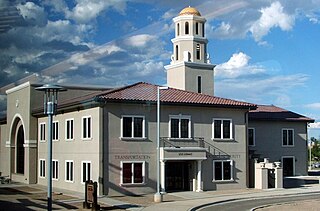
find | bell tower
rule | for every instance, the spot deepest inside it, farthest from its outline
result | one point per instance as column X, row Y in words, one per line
column 190, row 67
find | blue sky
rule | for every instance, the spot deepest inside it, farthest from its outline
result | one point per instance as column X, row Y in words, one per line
column 267, row 52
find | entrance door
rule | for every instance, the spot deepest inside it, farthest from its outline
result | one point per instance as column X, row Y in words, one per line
column 288, row 166
column 177, row 176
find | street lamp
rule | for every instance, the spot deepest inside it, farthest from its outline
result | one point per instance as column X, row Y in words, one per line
column 158, row 195
column 50, row 107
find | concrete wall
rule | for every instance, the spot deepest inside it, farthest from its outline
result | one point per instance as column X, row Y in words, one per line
column 145, row 150
column 268, row 139
column 77, row 150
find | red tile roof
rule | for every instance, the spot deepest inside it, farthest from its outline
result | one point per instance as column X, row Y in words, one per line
column 271, row 112
column 148, row 92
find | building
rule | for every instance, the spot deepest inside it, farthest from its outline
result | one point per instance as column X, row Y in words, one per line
column 109, row 135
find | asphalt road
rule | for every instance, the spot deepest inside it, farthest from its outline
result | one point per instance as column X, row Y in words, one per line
column 238, row 205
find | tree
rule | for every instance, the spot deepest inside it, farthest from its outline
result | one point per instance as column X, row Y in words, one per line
column 315, row 150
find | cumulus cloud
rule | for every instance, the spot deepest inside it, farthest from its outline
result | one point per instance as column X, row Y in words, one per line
column 314, row 125
column 313, row 106
column 32, row 13
column 236, row 66
column 140, row 40
column 273, row 16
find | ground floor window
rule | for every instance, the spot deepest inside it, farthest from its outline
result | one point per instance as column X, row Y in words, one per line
column 132, row 172
column 55, row 169
column 42, row 168
column 69, row 171
column 222, row 170
column 86, row 171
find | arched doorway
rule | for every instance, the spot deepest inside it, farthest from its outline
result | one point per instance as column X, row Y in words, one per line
column 20, row 151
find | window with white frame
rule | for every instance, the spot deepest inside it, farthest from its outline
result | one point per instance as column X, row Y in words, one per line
column 42, row 168
column 222, row 128
column 69, row 171
column 132, row 172
column 55, row 131
column 287, row 137
column 86, row 127
column 251, row 137
column 42, row 131
column 55, row 169
column 69, row 129
column 133, row 127
column 180, row 126
column 222, row 170
column 85, row 171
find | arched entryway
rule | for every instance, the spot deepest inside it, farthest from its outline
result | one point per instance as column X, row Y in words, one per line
column 20, row 158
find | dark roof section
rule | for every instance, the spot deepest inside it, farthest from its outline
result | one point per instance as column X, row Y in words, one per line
column 271, row 113
column 142, row 92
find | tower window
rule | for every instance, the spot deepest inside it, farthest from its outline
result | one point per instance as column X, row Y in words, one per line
column 178, row 29
column 197, row 28
column 202, row 29
column 177, row 52
column 198, row 51
column 199, row 84
column 186, row 31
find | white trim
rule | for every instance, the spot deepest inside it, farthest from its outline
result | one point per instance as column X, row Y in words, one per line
column 87, row 162
column 90, row 129
column 254, row 136
column 221, row 137
column 287, row 145
column 231, row 169
column 55, row 160
column 65, row 173
column 132, row 177
column 17, row 115
column 40, row 129
column 72, row 132
column 30, row 143
column 179, row 117
column 132, row 127
column 44, row 170
column 19, row 87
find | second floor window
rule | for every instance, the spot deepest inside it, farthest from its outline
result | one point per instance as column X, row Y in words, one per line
column 251, row 137
column 287, row 137
column 42, row 132
column 69, row 129
column 222, row 129
column 86, row 127
column 180, row 126
column 55, row 131
column 133, row 127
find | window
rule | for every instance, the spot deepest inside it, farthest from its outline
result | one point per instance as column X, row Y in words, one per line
column 180, row 126
column 86, row 171
column 86, row 127
column 177, row 52
column 55, row 169
column 202, row 29
column 132, row 172
column 42, row 168
column 186, row 29
column 197, row 28
column 198, row 52
column 132, row 127
column 69, row 129
column 55, row 131
column 69, row 171
column 178, row 29
column 222, row 129
column 42, row 134
column 222, row 170
column 199, row 84
column 287, row 137
column 251, row 137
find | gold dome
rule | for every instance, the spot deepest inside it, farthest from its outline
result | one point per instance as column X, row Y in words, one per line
column 190, row 11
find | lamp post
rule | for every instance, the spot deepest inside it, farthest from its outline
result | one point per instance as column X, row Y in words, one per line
column 50, row 106
column 158, row 195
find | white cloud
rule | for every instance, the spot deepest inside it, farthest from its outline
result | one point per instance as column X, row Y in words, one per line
column 87, row 10
column 237, row 65
column 32, row 13
column 139, row 40
column 314, row 125
column 271, row 17
column 313, row 106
